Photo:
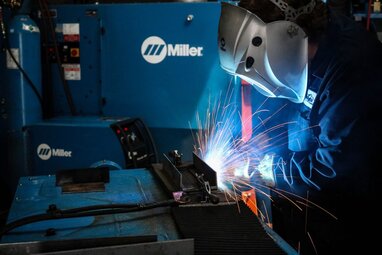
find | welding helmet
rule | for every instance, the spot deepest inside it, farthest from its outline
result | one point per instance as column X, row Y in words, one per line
column 273, row 57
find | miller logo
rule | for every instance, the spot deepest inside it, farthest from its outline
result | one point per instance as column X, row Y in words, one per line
column 154, row 50
column 45, row 152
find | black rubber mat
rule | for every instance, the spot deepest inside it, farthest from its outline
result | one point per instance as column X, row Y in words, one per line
column 224, row 230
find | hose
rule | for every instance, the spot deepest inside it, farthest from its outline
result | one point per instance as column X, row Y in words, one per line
column 68, row 94
column 54, row 213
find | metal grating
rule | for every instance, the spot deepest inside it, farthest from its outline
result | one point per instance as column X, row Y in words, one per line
column 223, row 229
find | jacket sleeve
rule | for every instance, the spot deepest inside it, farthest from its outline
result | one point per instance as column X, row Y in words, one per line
column 344, row 128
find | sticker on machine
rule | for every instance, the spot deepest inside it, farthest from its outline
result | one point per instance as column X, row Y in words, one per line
column 71, row 32
column 15, row 55
column 72, row 72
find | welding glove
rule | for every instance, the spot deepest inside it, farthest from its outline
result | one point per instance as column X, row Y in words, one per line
column 292, row 172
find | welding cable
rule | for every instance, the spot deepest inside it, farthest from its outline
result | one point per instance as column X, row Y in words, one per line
column 86, row 211
column 102, row 207
column 45, row 14
column 26, row 76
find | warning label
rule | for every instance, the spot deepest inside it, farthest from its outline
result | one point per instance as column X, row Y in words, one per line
column 10, row 62
column 71, row 28
column 71, row 32
column 72, row 72
column 71, row 38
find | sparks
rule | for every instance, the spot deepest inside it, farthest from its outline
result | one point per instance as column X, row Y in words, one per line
column 247, row 165
column 238, row 162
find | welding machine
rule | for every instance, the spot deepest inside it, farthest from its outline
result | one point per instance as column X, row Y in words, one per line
column 80, row 142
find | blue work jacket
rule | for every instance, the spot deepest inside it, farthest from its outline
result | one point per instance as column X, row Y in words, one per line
column 335, row 141
column 336, row 128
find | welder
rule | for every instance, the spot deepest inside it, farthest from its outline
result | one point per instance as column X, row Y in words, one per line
column 329, row 66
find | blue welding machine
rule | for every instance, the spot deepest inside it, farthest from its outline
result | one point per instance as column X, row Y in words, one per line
column 80, row 142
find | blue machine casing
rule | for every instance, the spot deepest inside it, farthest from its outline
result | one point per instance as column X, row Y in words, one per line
column 82, row 142
column 74, row 142
column 134, row 186
column 112, row 76
column 117, row 80
column 20, row 104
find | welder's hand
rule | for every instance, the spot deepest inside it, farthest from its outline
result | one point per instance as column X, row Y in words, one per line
column 292, row 172
column 265, row 170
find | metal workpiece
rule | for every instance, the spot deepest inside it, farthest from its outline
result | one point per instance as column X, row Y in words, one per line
column 188, row 182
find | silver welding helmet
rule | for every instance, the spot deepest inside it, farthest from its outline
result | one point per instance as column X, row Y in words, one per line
column 273, row 57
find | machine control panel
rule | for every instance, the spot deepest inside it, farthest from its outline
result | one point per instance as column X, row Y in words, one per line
column 136, row 142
